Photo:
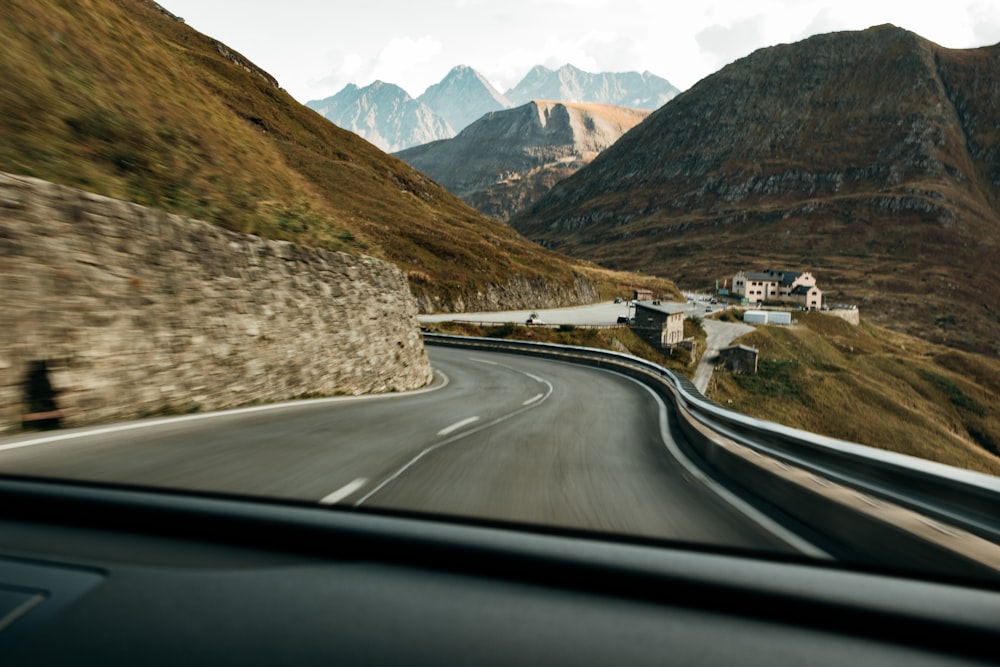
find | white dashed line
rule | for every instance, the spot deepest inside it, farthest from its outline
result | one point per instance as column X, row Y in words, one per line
column 457, row 425
column 343, row 492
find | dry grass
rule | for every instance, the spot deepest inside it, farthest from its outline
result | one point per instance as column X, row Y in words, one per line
column 114, row 97
column 617, row 339
column 873, row 386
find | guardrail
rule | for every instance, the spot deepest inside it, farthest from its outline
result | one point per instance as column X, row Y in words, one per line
column 482, row 323
column 957, row 497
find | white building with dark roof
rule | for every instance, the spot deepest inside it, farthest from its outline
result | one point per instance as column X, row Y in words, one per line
column 761, row 286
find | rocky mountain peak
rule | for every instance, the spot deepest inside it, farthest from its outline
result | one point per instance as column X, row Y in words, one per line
column 463, row 96
column 508, row 158
column 384, row 114
column 867, row 155
column 571, row 84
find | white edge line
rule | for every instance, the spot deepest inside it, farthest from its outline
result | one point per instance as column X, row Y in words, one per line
column 534, row 398
column 128, row 426
column 457, row 425
column 767, row 523
column 343, row 492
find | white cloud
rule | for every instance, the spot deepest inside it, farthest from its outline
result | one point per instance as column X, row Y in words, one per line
column 315, row 47
column 725, row 44
column 404, row 60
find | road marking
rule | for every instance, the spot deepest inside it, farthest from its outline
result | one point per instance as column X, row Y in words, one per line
column 458, row 436
column 535, row 378
column 148, row 423
column 457, row 425
column 343, row 492
column 484, row 361
column 534, row 398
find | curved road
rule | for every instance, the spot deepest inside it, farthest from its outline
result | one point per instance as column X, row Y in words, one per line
column 500, row 437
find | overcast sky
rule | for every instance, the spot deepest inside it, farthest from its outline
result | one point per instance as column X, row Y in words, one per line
column 315, row 47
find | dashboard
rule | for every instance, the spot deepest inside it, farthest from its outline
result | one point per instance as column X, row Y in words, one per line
column 97, row 574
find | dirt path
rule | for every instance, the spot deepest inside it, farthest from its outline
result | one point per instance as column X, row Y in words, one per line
column 720, row 335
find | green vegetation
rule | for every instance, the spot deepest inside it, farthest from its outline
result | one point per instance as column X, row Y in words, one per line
column 870, row 385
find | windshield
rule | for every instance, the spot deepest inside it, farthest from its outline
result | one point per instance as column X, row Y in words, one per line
column 730, row 303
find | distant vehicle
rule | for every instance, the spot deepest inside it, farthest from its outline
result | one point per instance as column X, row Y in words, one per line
column 618, row 299
column 534, row 320
column 622, row 319
column 708, row 309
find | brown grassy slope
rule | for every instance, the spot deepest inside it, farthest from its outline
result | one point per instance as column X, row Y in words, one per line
column 869, row 158
column 118, row 97
column 618, row 339
column 507, row 159
column 873, row 386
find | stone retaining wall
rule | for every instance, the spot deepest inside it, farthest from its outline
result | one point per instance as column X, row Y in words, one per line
column 136, row 312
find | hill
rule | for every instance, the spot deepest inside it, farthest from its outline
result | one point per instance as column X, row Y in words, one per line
column 869, row 158
column 918, row 398
column 120, row 98
column 508, row 159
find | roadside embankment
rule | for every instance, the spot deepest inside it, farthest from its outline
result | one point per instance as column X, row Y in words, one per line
column 123, row 311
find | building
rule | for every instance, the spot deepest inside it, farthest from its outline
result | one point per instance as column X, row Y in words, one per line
column 660, row 323
column 739, row 359
column 642, row 295
column 767, row 317
column 761, row 286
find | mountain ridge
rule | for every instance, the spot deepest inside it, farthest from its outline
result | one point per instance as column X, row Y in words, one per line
column 464, row 95
column 507, row 159
column 868, row 157
column 119, row 98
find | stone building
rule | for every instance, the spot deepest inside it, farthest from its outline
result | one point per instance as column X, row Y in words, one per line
column 660, row 323
column 739, row 359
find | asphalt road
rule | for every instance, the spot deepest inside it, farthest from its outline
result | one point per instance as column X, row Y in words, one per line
column 501, row 437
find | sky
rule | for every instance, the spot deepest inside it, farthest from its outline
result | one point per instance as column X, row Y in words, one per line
column 316, row 47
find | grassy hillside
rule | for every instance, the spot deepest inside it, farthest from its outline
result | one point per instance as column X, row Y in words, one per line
column 120, row 98
column 870, row 385
column 870, row 158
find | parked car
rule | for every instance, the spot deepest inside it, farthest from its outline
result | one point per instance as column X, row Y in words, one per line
column 622, row 319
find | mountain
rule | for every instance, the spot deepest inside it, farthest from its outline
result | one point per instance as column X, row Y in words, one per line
column 507, row 159
column 123, row 99
column 387, row 116
column 462, row 97
column 384, row 114
column 569, row 84
column 870, row 158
